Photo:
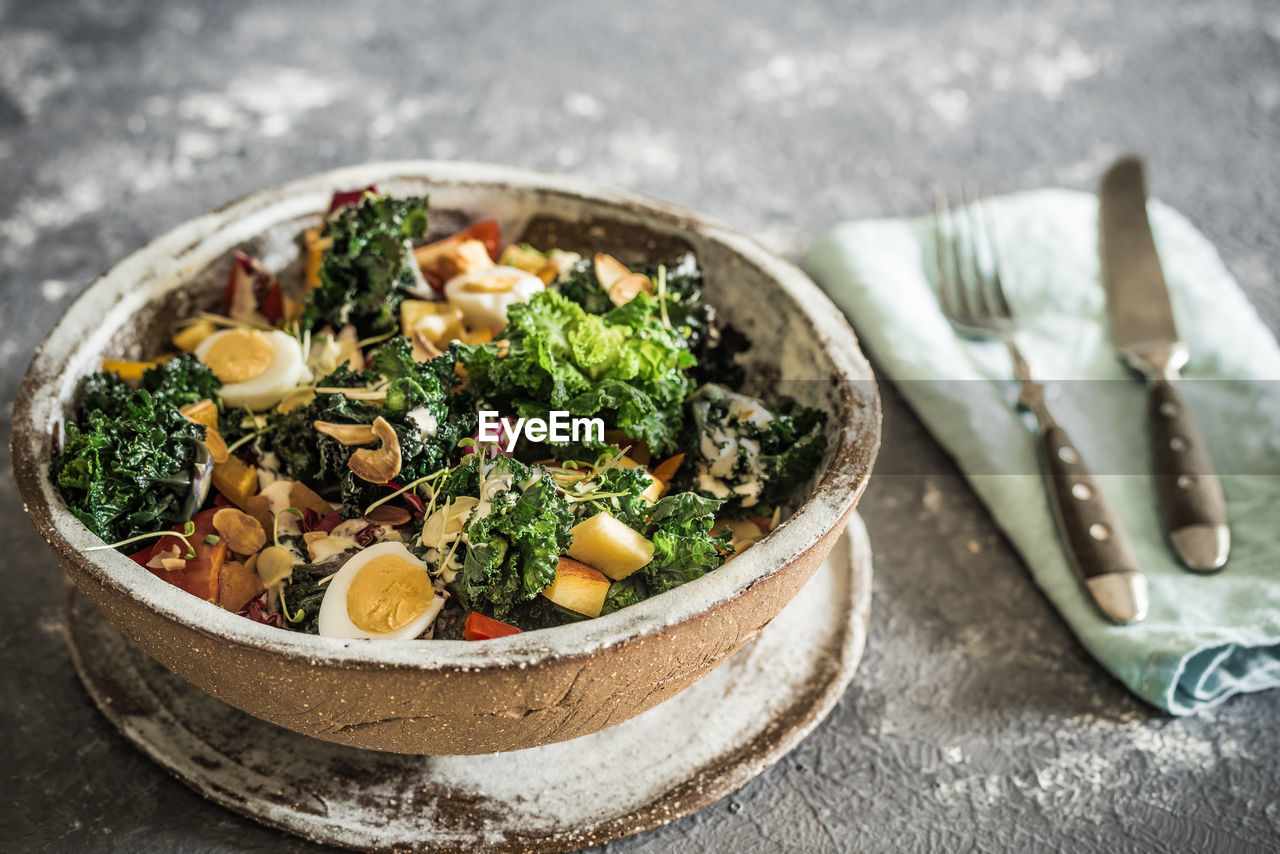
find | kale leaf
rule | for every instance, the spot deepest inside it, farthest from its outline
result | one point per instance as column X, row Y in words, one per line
column 177, row 382
column 626, row 368
column 301, row 595
column 369, row 266
column 428, row 420
column 628, row 591
column 511, row 551
column 748, row 454
column 126, row 473
column 680, row 525
column 579, row 284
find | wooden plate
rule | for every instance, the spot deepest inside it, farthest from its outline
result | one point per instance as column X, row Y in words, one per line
column 663, row 764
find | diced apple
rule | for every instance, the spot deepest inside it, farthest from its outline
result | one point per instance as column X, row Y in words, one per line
column 743, row 533
column 610, row 546
column 439, row 322
column 531, row 261
column 188, row 339
column 315, row 247
column 450, row 257
column 578, row 587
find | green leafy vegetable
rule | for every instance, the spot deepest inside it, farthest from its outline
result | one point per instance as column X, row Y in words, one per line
column 683, row 549
column 301, row 596
column 368, row 268
column 626, row 368
column 127, row 474
column 510, row 551
column 746, row 453
column 178, row 382
column 628, row 591
column 428, row 420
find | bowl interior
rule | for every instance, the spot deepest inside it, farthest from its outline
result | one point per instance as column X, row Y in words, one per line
column 800, row 347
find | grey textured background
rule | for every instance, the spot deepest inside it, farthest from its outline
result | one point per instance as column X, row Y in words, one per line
column 976, row 720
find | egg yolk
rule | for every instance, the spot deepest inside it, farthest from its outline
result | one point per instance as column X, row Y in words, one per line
column 239, row 356
column 388, row 594
column 493, row 284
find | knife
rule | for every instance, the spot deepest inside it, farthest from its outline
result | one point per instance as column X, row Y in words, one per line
column 1192, row 505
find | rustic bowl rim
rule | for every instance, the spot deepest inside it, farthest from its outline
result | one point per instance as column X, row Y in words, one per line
column 38, row 408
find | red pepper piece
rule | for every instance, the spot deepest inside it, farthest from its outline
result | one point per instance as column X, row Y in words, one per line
column 480, row 627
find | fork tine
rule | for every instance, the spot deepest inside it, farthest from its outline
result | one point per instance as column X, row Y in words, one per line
column 970, row 309
column 980, row 284
column 942, row 238
column 989, row 235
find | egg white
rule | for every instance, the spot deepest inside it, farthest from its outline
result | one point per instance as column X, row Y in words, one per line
column 489, row 310
column 335, row 622
column 286, row 370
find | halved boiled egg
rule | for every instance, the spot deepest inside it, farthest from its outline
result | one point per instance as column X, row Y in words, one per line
column 256, row 368
column 381, row 592
column 483, row 295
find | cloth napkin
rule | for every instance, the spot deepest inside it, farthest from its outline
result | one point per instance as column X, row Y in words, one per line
column 1206, row 637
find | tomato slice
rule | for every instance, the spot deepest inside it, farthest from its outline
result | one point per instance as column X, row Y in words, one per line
column 480, row 627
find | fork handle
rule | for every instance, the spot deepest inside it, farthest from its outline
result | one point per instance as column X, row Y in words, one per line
column 1095, row 538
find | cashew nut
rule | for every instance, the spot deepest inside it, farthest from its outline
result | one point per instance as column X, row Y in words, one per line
column 382, row 464
column 625, row 289
column 348, row 434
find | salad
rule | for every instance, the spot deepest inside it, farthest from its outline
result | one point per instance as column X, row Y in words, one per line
column 445, row 439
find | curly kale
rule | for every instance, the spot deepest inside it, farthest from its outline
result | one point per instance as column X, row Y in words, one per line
column 428, row 420
column 178, row 382
column 511, row 551
column 687, row 312
column 624, row 367
column 301, row 595
column 369, row 266
column 579, row 284
column 124, row 470
column 126, row 463
column 746, row 453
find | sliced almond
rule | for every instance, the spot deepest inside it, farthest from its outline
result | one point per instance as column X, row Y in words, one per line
column 170, row 554
column 382, row 464
column 348, row 434
column 296, row 399
column 244, row 534
column 609, row 270
column 424, row 350
column 388, row 514
column 625, row 289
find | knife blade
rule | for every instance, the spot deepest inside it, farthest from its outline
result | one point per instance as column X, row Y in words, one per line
column 1146, row 337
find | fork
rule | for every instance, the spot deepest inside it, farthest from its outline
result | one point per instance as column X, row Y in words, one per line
column 972, row 297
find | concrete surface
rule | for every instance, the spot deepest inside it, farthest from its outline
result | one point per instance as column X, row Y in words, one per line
column 976, row 721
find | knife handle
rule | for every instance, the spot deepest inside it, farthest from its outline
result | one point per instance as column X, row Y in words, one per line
column 1094, row 535
column 1191, row 499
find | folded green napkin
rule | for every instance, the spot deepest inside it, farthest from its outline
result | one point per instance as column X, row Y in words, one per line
column 1206, row 637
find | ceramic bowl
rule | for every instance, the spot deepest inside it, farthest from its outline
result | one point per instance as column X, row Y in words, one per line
column 456, row 697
